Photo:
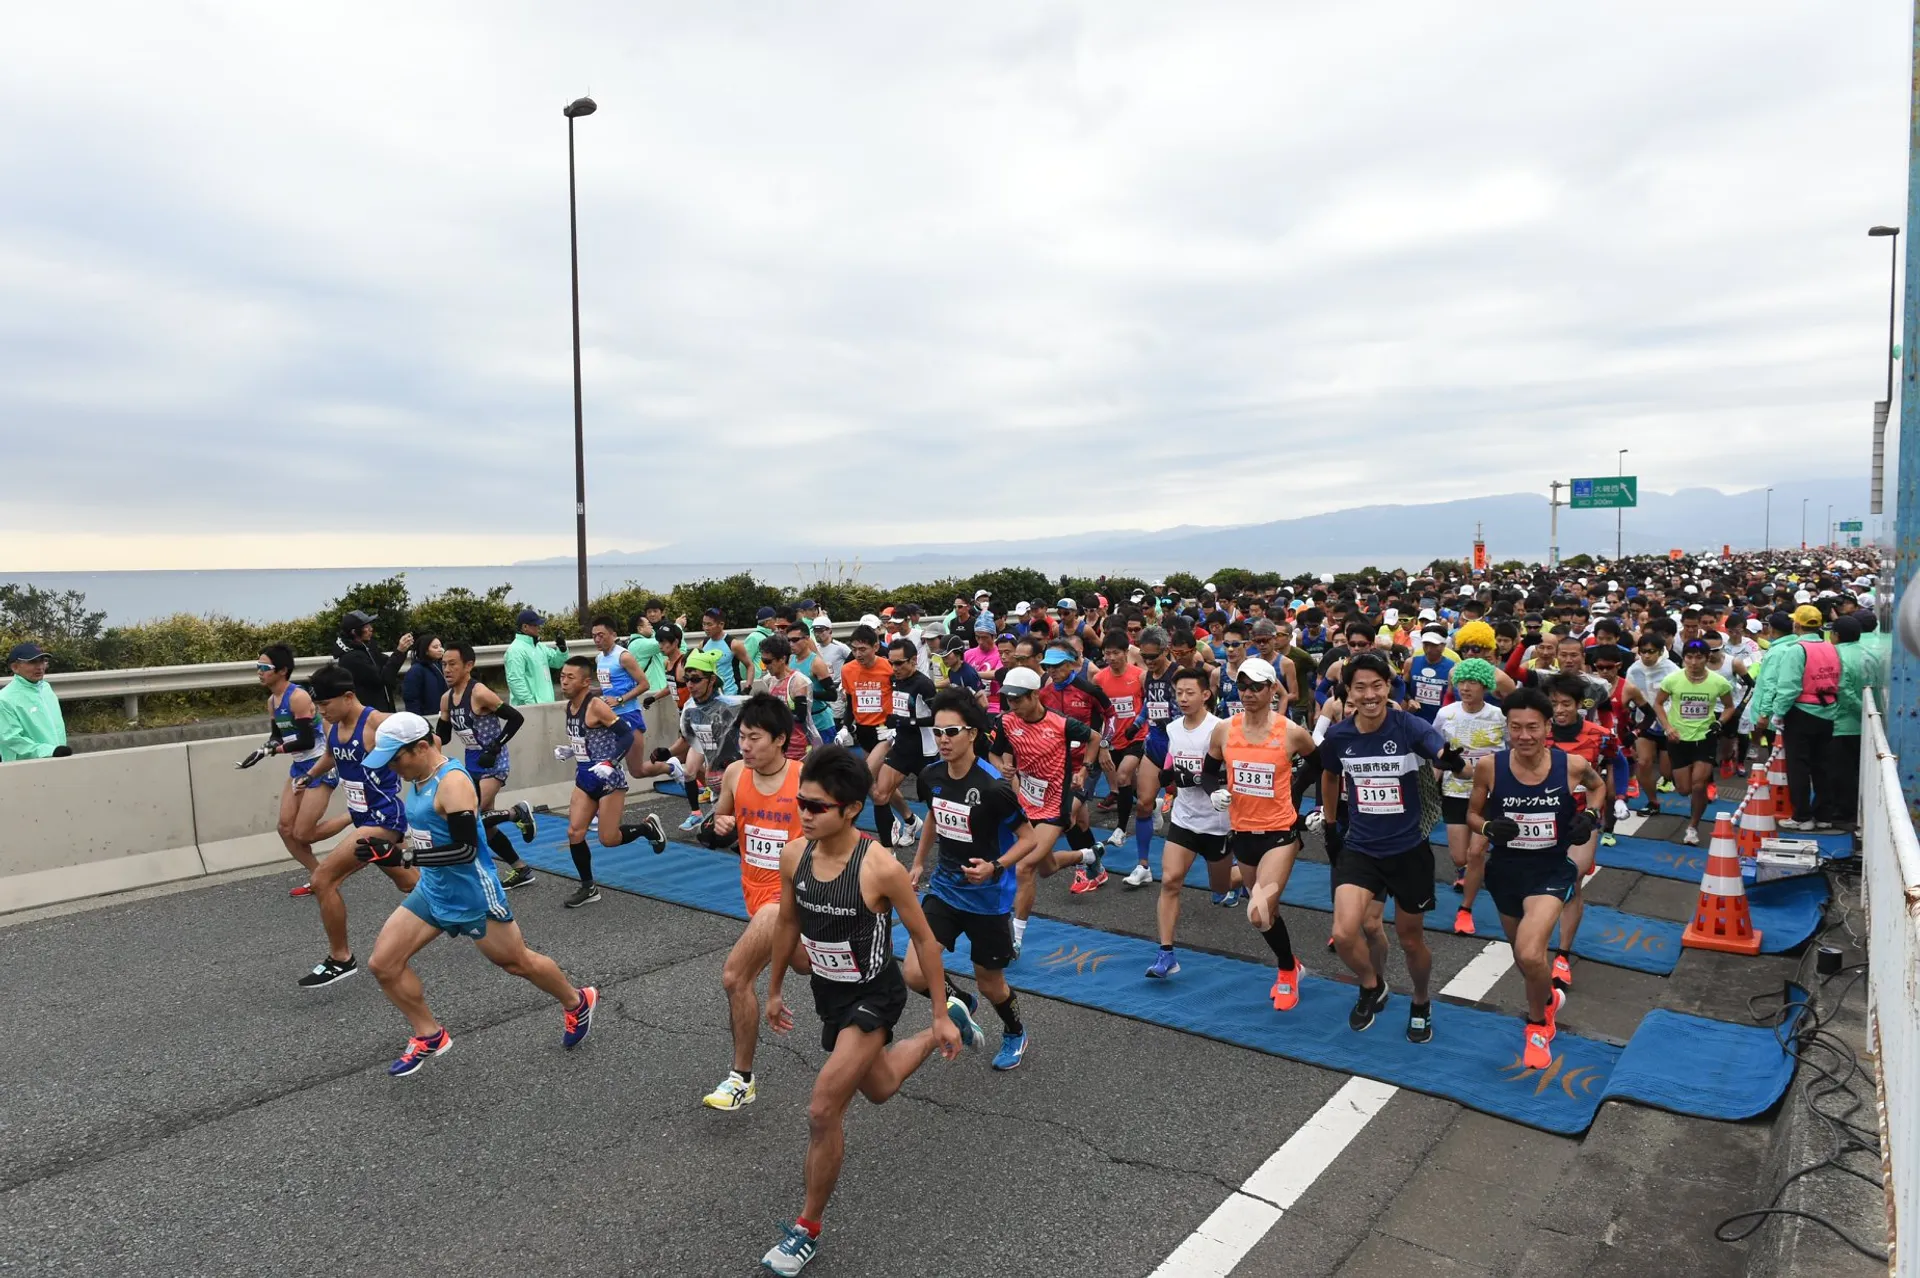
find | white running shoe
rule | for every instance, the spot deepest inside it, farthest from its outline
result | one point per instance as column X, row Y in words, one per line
column 1139, row 876
column 905, row 833
column 1692, row 837
column 1118, row 839
column 1316, row 819
column 1619, row 809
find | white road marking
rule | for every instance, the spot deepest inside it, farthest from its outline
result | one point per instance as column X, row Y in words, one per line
column 1224, row 1238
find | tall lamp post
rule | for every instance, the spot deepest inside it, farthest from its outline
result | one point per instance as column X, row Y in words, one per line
column 1803, row 523
column 1766, row 542
column 1619, row 468
column 1829, row 525
column 573, row 111
column 1884, row 409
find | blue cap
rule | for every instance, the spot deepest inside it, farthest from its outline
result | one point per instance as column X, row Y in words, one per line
column 765, row 614
column 805, row 604
column 528, row 617
column 1056, row 657
column 28, row 651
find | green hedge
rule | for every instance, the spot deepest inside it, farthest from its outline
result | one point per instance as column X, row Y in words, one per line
column 80, row 639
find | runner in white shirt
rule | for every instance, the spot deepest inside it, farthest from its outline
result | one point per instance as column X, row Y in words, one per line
column 1478, row 729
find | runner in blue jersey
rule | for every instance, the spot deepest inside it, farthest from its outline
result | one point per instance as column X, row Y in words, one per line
column 1523, row 802
column 1379, row 847
column 1430, row 675
column 292, row 733
column 373, row 805
column 484, row 723
column 1156, row 711
column 597, row 743
column 976, row 821
column 457, row 892
column 623, row 684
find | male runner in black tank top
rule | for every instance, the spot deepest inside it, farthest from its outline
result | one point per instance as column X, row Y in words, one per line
column 838, row 892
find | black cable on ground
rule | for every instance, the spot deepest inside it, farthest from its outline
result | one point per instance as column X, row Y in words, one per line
column 1833, row 1067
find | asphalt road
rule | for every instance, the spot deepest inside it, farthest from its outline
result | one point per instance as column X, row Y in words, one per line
column 171, row 1103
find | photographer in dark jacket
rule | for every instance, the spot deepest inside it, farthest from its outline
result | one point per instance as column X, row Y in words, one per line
column 373, row 671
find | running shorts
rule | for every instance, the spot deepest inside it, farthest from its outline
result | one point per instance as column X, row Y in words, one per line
column 1453, row 809
column 1512, row 878
column 1405, row 876
column 989, row 935
column 1249, row 847
column 1208, row 847
column 867, row 1005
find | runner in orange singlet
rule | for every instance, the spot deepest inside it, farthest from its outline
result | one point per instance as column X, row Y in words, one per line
column 756, row 808
column 1253, row 753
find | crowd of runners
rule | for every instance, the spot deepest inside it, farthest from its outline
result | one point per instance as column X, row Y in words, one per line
column 1003, row 742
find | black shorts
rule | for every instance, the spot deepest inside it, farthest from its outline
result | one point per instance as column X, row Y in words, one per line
column 1513, row 877
column 903, row 757
column 1249, row 846
column 1685, row 753
column 867, row 737
column 1405, row 876
column 867, row 1005
column 1453, row 809
column 1208, row 847
column 1137, row 750
column 989, row 935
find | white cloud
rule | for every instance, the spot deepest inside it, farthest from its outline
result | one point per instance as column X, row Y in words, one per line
column 1113, row 265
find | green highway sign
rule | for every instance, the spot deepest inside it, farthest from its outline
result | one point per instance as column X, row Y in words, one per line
column 1851, row 525
column 1853, row 541
column 1605, row 493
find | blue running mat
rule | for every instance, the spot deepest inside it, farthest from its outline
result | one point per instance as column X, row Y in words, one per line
column 1787, row 912
column 1691, row 1065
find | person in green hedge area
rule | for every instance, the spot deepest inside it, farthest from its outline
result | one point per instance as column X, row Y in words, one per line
column 530, row 664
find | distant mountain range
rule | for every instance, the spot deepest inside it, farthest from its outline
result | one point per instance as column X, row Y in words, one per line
column 1515, row 526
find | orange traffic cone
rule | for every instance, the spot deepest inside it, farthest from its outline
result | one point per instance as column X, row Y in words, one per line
column 1722, row 920
column 1777, row 767
column 1756, row 814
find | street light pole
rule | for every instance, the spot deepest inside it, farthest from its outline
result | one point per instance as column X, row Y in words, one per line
column 1619, row 469
column 1829, row 525
column 1884, row 409
column 1803, row 523
column 1766, row 542
column 574, row 110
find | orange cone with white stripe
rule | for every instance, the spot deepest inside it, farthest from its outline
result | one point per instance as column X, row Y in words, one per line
column 1722, row 920
column 1777, row 766
column 1756, row 814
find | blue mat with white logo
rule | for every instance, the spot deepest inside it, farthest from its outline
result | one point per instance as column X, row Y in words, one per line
column 1685, row 1063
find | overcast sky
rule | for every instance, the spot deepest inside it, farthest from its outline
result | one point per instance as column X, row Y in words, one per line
column 287, row 285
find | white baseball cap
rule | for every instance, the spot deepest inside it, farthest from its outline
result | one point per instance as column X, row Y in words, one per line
column 1258, row 670
column 1021, row 679
column 395, row 733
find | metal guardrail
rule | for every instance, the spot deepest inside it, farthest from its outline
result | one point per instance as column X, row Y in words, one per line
column 132, row 684
column 1890, row 886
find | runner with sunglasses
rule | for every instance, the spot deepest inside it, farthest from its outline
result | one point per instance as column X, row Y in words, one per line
column 1066, row 690
column 1477, row 728
column 1685, row 703
column 976, row 822
column 291, row 731
column 484, row 723
column 838, row 893
column 1155, row 713
column 709, row 737
column 910, row 745
column 1125, row 688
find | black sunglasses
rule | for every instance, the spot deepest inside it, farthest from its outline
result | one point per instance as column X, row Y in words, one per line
column 815, row 806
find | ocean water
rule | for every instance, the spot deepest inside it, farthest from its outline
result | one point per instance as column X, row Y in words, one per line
column 265, row 595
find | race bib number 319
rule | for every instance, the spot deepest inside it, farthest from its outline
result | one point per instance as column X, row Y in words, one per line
column 1379, row 800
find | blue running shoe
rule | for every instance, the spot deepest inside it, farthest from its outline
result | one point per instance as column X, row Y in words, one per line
column 418, row 1050
column 692, row 822
column 580, row 1019
column 970, row 1035
column 1013, row 1050
column 791, row 1254
column 1164, row 966
column 1230, row 898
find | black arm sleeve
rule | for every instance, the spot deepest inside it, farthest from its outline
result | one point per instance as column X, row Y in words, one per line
column 1213, row 774
column 464, row 828
column 443, row 729
column 304, row 735
column 512, row 718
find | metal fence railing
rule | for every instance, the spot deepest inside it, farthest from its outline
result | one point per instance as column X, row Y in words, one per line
column 1890, row 883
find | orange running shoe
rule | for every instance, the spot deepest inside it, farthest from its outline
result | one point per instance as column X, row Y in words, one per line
column 1286, row 988
column 1463, row 922
column 1562, row 971
column 1538, row 1052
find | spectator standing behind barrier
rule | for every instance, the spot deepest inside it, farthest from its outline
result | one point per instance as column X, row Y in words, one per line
column 530, row 664
column 374, row 672
column 1800, row 692
column 31, row 725
column 1856, row 675
column 426, row 682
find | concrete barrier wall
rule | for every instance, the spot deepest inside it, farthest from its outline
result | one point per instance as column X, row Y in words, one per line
column 99, row 823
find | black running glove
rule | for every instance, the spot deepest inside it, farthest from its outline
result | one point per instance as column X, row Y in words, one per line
column 1501, row 830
